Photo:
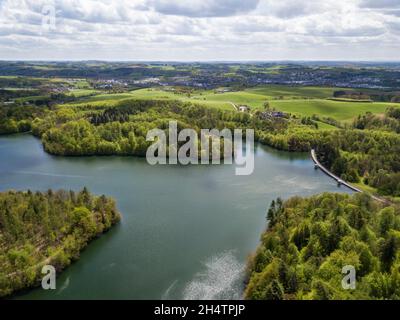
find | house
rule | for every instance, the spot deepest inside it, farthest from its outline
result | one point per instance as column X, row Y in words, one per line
column 271, row 114
column 244, row 108
column 277, row 114
column 222, row 90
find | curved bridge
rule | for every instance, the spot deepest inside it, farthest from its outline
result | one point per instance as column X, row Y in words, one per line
column 318, row 165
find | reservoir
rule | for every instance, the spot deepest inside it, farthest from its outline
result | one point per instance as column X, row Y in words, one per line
column 186, row 231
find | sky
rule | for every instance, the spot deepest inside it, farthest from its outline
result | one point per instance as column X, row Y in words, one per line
column 200, row 30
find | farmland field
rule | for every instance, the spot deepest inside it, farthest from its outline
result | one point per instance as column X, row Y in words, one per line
column 151, row 94
column 285, row 91
column 303, row 101
column 342, row 111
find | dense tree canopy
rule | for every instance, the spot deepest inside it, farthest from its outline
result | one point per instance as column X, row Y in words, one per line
column 367, row 153
column 122, row 129
column 310, row 240
column 47, row 228
column 14, row 119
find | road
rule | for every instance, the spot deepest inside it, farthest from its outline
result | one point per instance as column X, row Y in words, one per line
column 340, row 181
column 234, row 105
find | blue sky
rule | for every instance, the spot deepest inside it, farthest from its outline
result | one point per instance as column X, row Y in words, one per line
column 200, row 30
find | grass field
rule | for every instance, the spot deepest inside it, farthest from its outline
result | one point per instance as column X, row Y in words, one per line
column 339, row 110
column 325, row 126
column 303, row 101
column 290, row 91
column 112, row 99
column 83, row 92
column 240, row 97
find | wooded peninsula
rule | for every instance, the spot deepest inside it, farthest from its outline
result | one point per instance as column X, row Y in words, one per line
column 47, row 228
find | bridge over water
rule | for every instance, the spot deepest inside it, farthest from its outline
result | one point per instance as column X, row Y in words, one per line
column 318, row 165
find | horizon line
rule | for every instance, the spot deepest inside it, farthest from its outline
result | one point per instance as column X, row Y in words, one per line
column 201, row 61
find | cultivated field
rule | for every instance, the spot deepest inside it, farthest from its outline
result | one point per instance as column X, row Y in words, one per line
column 303, row 101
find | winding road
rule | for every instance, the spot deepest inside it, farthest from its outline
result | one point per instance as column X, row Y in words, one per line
column 234, row 105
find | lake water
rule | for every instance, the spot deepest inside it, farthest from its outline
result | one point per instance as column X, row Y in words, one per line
column 186, row 230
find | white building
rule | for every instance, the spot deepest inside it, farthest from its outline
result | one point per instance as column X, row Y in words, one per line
column 243, row 108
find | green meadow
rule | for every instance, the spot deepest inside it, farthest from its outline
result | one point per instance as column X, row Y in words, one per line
column 148, row 94
column 339, row 110
column 302, row 101
column 83, row 92
column 279, row 91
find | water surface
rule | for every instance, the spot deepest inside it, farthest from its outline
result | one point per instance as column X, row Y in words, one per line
column 186, row 230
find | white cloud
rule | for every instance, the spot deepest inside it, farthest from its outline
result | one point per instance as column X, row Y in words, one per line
column 201, row 30
column 379, row 4
column 387, row 7
column 292, row 8
column 202, row 8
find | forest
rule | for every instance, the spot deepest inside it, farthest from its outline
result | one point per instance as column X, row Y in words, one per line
column 42, row 228
column 122, row 129
column 309, row 240
column 364, row 152
column 367, row 152
column 18, row 119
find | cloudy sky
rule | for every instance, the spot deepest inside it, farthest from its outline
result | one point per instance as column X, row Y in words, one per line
column 193, row 30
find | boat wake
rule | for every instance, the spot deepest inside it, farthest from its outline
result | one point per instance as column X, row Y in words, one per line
column 167, row 293
column 222, row 279
column 64, row 286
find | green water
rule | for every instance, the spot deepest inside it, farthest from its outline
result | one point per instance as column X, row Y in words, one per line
column 186, row 230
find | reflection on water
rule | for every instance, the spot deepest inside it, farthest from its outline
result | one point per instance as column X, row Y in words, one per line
column 185, row 232
column 221, row 278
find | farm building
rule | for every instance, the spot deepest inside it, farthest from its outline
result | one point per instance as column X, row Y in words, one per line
column 244, row 108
